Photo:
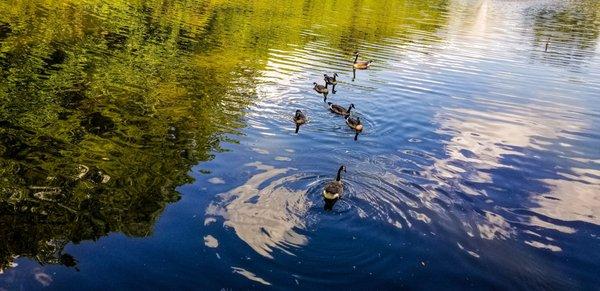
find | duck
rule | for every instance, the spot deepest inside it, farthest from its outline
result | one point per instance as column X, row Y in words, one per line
column 361, row 64
column 334, row 189
column 320, row 88
column 354, row 123
column 337, row 109
column 330, row 80
column 299, row 119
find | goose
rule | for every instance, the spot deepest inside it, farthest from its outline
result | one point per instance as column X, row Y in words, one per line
column 355, row 124
column 330, row 80
column 334, row 189
column 299, row 119
column 361, row 64
column 337, row 109
column 320, row 88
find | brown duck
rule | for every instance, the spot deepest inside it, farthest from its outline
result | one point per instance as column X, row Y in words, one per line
column 361, row 64
column 334, row 189
column 354, row 123
column 337, row 109
column 299, row 119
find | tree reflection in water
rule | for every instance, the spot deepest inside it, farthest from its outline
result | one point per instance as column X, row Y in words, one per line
column 104, row 107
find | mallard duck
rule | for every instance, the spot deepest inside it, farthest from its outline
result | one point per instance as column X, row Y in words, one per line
column 320, row 88
column 334, row 189
column 361, row 64
column 355, row 124
column 337, row 109
column 299, row 119
column 330, row 80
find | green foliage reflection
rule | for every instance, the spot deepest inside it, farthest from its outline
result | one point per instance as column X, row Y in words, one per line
column 106, row 105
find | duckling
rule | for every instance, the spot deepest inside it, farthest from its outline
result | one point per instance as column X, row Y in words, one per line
column 355, row 124
column 337, row 109
column 330, row 80
column 299, row 119
column 320, row 88
column 361, row 64
column 334, row 189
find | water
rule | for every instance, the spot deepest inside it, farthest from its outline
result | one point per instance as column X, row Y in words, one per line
column 150, row 145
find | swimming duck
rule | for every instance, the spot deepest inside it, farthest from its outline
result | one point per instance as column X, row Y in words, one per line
column 337, row 109
column 355, row 124
column 320, row 88
column 334, row 189
column 299, row 119
column 330, row 80
column 361, row 64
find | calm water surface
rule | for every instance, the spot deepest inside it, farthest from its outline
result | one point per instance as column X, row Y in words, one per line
column 149, row 144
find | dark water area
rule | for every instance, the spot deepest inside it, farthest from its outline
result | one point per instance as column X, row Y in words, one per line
column 150, row 145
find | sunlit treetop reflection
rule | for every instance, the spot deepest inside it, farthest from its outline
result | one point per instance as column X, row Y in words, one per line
column 105, row 106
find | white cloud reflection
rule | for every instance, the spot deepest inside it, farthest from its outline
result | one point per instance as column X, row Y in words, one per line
column 264, row 216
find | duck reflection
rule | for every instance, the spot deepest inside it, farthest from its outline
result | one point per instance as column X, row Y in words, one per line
column 329, row 203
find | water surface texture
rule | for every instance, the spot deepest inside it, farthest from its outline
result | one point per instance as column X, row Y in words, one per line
column 150, row 144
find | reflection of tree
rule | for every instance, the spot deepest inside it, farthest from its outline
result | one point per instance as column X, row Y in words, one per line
column 571, row 30
column 100, row 120
column 104, row 107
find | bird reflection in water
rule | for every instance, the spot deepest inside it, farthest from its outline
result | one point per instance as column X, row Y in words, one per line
column 329, row 203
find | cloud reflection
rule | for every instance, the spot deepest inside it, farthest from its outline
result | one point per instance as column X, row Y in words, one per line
column 481, row 143
column 264, row 216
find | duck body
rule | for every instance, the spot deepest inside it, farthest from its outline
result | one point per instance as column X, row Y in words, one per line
column 334, row 189
column 337, row 109
column 361, row 64
column 330, row 80
column 320, row 88
column 354, row 123
column 299, row 119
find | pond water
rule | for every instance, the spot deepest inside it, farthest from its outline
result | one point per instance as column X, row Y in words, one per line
column 150, row 144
